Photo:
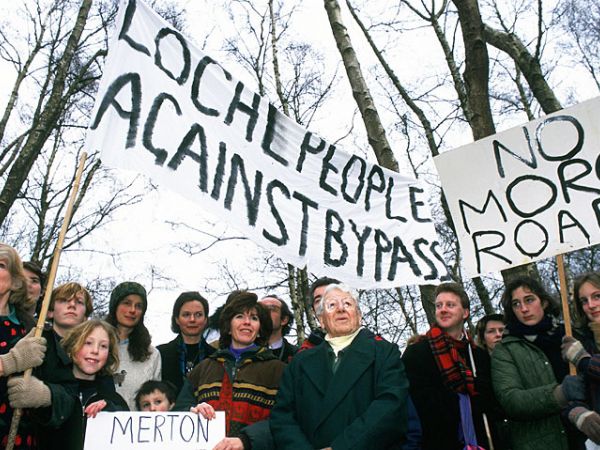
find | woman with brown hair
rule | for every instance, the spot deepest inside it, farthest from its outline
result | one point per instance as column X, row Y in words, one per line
column 584, row 351
column 139, row 360
column 529, row 377
column 18, row 352
column 241, row 378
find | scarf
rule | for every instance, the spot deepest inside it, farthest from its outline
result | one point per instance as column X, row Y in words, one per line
column 448, row 355
column 467, row 428
column 339, row 343
column 546, row 335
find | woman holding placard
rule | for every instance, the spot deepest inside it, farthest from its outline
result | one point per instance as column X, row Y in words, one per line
column 584, row 352
column 241, row 378
column 18, row 351
column 527, row 368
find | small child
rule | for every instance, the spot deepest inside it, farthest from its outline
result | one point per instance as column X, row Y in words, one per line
column 92, row 346
column 155, row 395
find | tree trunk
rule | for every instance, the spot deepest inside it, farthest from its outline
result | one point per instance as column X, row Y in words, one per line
column 482, row 292
column 529, row 66
column 477, row 82
column 476, row 68
column 371, row 119
column 360, row 91
column 47, row 121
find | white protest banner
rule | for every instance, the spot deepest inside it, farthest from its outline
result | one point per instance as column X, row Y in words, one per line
column 527, row 193
column 167, row 110
column 153, row 431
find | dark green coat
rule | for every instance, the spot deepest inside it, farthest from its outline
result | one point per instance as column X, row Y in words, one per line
column 361, row 406
column 524, row 382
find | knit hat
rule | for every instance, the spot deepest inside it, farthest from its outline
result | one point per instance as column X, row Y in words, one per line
column 124, row 289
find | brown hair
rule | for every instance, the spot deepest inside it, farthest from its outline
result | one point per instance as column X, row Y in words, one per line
column 67, row 291
column 244, row 301
column 456, row 289
column 551, row 308
column 589, row 277
column 75, row 339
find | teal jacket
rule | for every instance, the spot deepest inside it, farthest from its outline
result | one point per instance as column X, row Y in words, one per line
column 524, row 382
column 363, row 405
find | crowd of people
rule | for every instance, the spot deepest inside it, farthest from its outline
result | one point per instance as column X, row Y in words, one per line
column 344, row 387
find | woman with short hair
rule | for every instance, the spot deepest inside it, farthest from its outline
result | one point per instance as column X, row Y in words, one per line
column 241, row 378
column 489, row 331
column 182, row 354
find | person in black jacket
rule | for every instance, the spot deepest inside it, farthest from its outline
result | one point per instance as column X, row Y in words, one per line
column 443, row 385
column 182, row 354
column 315, row 294
column 282, row 319
column 93, row 349
column 70, row 305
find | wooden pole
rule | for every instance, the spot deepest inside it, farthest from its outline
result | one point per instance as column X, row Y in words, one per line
column 564, row 301
column 14, row 425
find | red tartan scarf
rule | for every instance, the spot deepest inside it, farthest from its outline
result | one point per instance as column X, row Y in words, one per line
column 448, row 355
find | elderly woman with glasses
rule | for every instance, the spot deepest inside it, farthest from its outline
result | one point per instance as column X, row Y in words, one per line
column 350, row 391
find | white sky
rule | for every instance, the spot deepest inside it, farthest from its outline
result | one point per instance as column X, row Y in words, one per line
column 143, row 231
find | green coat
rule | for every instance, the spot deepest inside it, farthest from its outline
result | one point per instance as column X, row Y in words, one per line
column 524, row 382
column 360, row 406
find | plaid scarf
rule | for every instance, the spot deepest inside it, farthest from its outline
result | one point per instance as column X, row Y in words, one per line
column 456, row 374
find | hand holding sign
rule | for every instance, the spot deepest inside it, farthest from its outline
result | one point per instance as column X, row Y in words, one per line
column 205, row 410
column 230, row 444
column 93, row 409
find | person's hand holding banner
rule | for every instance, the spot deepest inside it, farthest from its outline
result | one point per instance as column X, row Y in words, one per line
column 205, row 410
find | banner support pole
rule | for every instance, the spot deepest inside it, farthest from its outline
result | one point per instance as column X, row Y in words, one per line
column 14, row 425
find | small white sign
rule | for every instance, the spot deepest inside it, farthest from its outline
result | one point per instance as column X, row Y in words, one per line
column 527, row 193
column 153, row 431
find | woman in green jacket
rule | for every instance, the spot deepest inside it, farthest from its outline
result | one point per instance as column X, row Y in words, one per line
column 527, row 368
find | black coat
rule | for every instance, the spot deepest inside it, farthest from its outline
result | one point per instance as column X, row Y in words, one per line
column 437, row 405
column 286, row 352
column 71, row 433
column 62, row 424
column 172, row 355
column 360, row 406
column 56, row 371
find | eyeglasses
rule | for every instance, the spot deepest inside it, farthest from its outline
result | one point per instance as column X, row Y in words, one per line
column 345, row 304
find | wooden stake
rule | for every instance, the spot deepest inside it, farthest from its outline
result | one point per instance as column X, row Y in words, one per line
column 564, row 301
column 14, row 425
